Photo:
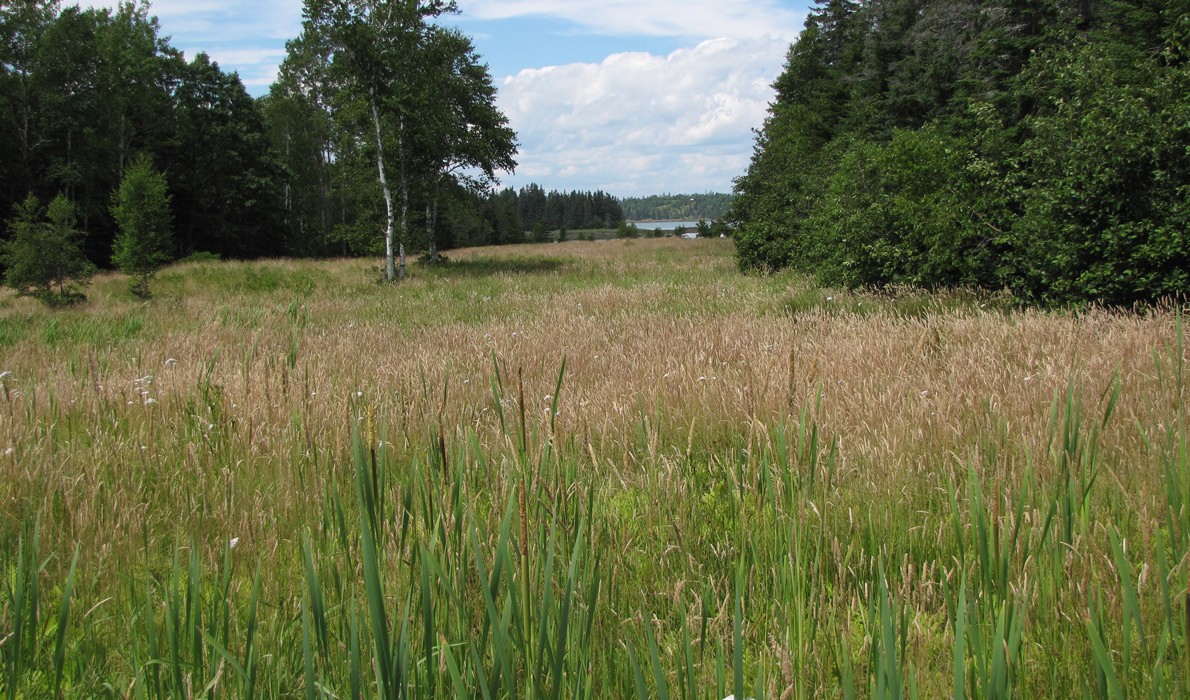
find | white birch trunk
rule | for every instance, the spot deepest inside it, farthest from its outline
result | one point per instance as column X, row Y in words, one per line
column 389, row 271
column 404, row 198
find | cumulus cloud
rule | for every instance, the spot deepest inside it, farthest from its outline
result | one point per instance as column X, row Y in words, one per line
column 633, row 123
column 738, row 19
column 639, row 123
column 247, row 37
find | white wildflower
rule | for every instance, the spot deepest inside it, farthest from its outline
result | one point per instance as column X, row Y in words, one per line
column 150, row 401
column 10, row 452
column 234, row 541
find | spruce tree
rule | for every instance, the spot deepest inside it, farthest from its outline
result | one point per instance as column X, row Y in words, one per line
column 141, row 209
column 44, row 257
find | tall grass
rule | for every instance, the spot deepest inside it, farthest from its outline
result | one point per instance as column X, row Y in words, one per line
column 559, row 481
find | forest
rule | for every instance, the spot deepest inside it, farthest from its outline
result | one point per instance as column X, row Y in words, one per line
column 1034, row 146
column 323, row 165
column 676, row 207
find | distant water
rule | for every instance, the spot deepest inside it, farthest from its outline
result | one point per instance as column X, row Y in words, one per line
column 666, row 225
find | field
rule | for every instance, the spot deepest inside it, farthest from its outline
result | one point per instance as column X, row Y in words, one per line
column 586, row 470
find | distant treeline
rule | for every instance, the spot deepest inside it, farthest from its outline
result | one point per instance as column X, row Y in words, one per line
column 84, row 92
column 572, row 210
column 676, row 207
column 526, row 216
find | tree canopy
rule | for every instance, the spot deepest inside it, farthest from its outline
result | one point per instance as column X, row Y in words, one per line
column 86, row 92
column 1032, row 145
column 375, row 84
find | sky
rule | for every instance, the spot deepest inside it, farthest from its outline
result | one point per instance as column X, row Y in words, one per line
column 632, row 97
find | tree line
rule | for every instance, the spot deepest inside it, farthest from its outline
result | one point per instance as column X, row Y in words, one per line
column 83, row 93
column 379, row 134
column 677, row 207
column 540, row 210
column 1037, row 146
column 528, row 215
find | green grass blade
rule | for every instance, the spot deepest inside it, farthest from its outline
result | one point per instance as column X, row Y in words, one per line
column 960, row 635
column 63, row 621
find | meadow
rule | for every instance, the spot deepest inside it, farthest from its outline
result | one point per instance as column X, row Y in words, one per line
column 587, row 470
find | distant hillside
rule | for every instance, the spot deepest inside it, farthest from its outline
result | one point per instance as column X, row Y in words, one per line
column 710, row 205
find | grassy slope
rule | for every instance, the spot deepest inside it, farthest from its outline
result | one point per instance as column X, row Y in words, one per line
column 735, row 483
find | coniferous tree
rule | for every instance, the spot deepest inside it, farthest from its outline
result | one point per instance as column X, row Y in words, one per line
column 141, row 208
column 1033, row 145
column 44, row 257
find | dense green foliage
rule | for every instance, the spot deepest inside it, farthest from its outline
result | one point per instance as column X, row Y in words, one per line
column 676, row 207
column 141, row 209
column 385, row 121
column 44, row 257
column 83, row 92
column 1031, row 145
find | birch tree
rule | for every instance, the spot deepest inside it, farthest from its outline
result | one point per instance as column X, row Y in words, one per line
column 375, row 47
column 418, row 95
column 465, row 139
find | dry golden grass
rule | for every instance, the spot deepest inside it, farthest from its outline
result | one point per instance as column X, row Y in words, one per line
column 223, row 408
column 688, row 351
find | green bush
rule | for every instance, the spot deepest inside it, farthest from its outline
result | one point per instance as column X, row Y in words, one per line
column 1105, row 214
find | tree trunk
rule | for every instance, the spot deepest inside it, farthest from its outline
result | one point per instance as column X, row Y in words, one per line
column 390, row 272
column 404, row 199
column 431, row 242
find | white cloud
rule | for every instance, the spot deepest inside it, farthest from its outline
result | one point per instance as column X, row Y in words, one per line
column 638, row 123
column 737, row 19
column 633, row 123
column 247, row 37
column 232, row 21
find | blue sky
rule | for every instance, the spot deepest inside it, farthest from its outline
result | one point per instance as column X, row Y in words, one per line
column 629, row 96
